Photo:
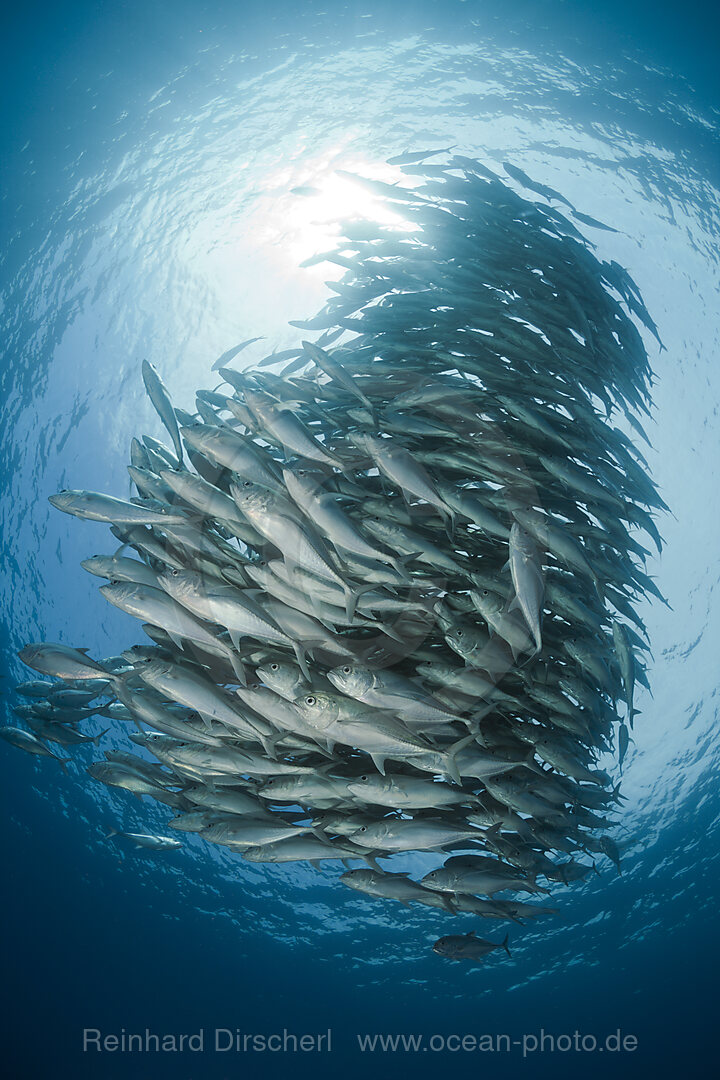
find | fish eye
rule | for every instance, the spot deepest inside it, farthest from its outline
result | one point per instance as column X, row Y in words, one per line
column 486, row 592
column 274, row 667
column 174, row 573
column 247, row 483
column 310, row 700
column 363, row 777
column 301, row 472
column 347, row 669
column 459, row 633
column 363, row 828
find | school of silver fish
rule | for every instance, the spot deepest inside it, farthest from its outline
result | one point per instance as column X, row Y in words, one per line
column 389, row 588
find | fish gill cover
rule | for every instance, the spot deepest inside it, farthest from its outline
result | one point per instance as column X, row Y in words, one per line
column 390, row 576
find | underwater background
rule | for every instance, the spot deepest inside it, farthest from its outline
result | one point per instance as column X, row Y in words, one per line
column 148, row 158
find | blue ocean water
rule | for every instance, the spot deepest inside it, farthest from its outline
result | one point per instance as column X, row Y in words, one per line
column 149, row 157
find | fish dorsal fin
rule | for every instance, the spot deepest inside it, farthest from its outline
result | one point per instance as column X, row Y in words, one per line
column 471, row 933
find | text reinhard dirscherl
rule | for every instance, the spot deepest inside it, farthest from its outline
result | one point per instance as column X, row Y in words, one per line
column 227, row 1040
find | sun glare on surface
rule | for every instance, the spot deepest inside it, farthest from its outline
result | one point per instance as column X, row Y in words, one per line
column 302, row 210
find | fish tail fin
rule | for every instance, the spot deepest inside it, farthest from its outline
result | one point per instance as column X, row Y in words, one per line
column 97, row 738
column 504, row 944
column 64, row 764
column 113, row 832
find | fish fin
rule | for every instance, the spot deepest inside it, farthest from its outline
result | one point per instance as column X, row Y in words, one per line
column 302, row 660
column 97, row 738
column 206, row 721
column 351, row 598
column 269, row 743
column 239, row 669
column 452, row 752
column 113, row 832
column 64, row 764
column 504, row 944
column 379, row 763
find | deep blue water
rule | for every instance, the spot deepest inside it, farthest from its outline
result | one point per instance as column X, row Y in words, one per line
column 147, row 160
